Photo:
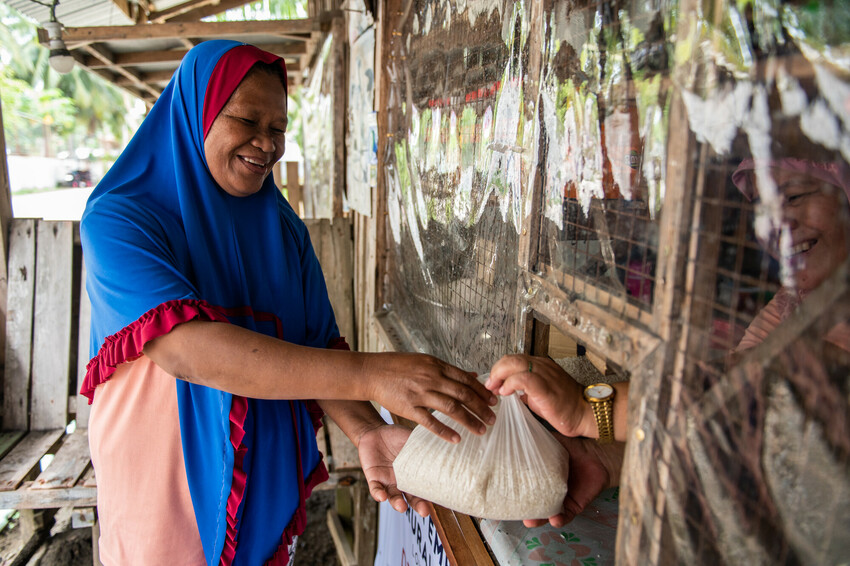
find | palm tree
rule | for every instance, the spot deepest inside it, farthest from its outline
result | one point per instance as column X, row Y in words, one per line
column 100, row 107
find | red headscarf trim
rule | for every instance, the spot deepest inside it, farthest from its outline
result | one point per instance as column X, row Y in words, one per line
column 227, row 75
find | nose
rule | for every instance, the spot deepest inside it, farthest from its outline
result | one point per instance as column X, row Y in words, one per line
column 790, row 216
column 264, row 142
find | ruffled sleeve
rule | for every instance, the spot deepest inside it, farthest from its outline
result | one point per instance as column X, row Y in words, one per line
column 127, row 344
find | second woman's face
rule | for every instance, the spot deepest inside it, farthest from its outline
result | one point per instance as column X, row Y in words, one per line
column 817, row 227
column 247, row 137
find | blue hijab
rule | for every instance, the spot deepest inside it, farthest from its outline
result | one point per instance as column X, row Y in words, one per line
column 164, row 244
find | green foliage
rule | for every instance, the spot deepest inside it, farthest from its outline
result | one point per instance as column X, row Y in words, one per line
column 28, row 112
column 264, row 10
column 34, row 96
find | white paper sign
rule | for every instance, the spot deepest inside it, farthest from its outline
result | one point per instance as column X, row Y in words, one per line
column 406, row 539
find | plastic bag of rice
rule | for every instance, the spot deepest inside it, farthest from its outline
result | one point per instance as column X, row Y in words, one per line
column 516, row 470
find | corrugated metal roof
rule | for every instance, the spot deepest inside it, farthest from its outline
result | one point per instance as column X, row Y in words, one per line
column 140, row 58
column 75, row 13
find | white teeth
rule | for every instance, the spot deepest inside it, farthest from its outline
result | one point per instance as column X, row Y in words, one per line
column 801, row 247
column 254, row 162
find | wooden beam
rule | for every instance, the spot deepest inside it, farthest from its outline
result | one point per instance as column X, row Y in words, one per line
column 286, row 28
column 176, row 55
column 148, row 78
column 25, row 498
column 135, row 90
column 137, row 58
column 164, row 15
column 343, row 547
column 125, row 7
column 205, row 10
column 106, row 56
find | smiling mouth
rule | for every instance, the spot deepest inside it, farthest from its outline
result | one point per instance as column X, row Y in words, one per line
column 802, row 247
column 256, row 165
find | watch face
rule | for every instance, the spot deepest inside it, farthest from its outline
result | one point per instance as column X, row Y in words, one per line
column 599, row 391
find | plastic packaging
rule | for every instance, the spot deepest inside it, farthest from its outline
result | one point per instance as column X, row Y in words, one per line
column 516, row 470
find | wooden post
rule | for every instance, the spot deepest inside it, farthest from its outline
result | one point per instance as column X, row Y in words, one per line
column 529, row 240
column 340, row 94
column 384, row 39
column 5, row 220
column 294, row 188
column 365, row 523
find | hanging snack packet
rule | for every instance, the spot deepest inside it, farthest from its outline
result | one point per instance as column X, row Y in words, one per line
column 516, row 470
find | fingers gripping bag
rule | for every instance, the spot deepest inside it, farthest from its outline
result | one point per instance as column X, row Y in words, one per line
column 516, row 470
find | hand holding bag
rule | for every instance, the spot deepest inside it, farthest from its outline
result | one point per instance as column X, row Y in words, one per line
column 516, row 470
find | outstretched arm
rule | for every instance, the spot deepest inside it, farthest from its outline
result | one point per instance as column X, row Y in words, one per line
column 247, row 363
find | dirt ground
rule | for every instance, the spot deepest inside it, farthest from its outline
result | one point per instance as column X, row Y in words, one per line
column 72, row 547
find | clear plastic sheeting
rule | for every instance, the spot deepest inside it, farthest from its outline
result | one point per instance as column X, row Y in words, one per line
column 604, row 100
column 458, row 156
column 669, row 181
column 744, row 427
column 317, row 134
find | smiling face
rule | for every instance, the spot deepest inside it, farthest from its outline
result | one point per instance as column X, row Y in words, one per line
column 816, row 227
column 247, row 137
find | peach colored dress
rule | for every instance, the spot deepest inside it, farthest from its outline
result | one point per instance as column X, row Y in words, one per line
column 134, row 424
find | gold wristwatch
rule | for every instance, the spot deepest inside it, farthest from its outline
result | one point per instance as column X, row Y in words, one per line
column 601, row 399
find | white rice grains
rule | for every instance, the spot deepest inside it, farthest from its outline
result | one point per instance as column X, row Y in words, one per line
column 516, row 470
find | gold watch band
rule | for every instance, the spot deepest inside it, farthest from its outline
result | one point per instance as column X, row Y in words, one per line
column 604, row 413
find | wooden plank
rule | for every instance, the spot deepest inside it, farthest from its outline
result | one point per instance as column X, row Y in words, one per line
column 340, row 479
column 332, row 242
column 561, row 345
column 623, row 342
column 343, row 452
column 26, row 498
column 461, row 541
column 68, row 465
column 343, row 548
column 52, row 325
column 365, row 523
column 293, row 187
column 89, row 479
column 83, row 409
column 24, row 457
column 19, row 316
column 340, row 98
column 8, row 440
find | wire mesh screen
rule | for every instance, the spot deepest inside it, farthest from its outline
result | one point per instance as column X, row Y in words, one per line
column 687, row 166
column 747, row 456
column 603, row 108
column 456, row 175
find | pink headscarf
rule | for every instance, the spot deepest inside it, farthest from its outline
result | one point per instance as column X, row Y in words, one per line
column 835, row 173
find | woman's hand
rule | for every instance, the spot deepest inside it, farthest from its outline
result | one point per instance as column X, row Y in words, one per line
column 593, row 469
column 378, row 448
column 548, row 390
column 410, row 385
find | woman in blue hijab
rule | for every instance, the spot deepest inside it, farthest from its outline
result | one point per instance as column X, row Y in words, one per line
column 214, row 347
